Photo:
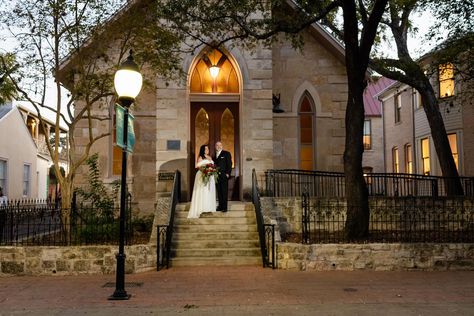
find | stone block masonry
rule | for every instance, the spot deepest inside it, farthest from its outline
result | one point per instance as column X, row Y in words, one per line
column 376, row 256
column 74, row 260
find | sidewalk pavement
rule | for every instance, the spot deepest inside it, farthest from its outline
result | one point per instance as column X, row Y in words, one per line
column 244, row 291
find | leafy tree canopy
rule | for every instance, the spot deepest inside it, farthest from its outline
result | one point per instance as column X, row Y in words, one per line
column 7, row 88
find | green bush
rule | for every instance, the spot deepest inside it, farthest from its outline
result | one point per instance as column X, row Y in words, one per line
column 143, row 223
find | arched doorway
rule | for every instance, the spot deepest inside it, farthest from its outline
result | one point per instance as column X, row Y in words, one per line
column 214, row 111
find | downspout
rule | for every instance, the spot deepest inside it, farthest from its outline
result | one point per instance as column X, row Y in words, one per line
column 415, row 161
column 383, row 134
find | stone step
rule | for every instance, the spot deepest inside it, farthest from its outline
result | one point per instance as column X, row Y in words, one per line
column 215, row 252
column 216, row 238
column 217, row 221
column 232, row 206
column 214, row 228
column 249, row 213
column 212, row 244
column 186, row 236
column 222, row 261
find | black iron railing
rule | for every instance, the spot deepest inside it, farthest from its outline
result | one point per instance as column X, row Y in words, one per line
column 165, row 232
column 161, row 256
column 266, row 232
column 42, row 223
column 405, row 219
column 286, row 183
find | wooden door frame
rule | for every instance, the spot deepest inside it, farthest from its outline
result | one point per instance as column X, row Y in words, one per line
column 234, row 107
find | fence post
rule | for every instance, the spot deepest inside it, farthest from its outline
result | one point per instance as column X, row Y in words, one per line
column 3, row 221
column 305, row 218
column 434, row 188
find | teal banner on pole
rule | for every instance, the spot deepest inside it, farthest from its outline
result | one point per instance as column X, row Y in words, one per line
column 119, row 126
column 131, row 134
column 119, row 115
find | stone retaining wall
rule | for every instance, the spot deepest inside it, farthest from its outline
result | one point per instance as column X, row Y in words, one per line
column 73, row 260
column 378, row 257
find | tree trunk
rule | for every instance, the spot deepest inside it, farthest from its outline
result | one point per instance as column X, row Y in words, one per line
column 452, row 181
column 66, row 199
column 357, row 58
column 357, row 221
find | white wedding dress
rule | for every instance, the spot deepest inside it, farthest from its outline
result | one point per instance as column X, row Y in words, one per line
column 204, row 195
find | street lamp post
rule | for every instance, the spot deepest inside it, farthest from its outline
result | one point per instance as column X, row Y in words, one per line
column 128, row 83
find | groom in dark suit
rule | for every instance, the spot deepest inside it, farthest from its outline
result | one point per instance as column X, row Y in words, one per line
column 223, row 161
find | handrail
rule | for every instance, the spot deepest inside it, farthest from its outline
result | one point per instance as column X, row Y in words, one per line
column 163, row 253
column 264, row 230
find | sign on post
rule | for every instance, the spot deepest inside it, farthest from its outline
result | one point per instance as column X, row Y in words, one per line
column 119, row 127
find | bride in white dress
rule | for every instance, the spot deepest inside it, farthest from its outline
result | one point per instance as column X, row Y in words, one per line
column 204, row 195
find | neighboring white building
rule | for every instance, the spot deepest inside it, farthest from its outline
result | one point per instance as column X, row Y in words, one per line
column 18, row 156
column 24, row 159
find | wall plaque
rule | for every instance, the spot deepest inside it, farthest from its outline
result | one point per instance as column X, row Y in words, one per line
column 173, row 145
column 166, row 176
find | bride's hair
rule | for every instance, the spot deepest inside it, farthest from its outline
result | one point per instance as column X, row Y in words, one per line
column 202, row 151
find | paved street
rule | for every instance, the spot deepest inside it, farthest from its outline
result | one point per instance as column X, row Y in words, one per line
column 244, row 291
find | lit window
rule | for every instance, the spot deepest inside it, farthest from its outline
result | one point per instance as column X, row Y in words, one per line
column 367, row 135
column 454, row 148
column 425, row 156
column 446, row 80
column 26, row 180
column 3, row 176
column 398, row 107
column 306, row 134
column 408, row 159
column 395, row 159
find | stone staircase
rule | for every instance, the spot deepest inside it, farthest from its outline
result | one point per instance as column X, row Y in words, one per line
column 229, row 238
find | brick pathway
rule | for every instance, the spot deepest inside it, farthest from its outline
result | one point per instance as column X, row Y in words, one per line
column 245, row 290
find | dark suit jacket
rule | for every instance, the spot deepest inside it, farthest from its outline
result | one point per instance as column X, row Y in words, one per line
column 224, row 163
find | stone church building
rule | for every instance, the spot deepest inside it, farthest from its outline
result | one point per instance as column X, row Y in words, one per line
column 272, row 108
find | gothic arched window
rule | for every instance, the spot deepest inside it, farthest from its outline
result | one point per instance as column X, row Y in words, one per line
column 306, row 127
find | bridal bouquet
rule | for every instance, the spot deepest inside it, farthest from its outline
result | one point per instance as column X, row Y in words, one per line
column 207, row 171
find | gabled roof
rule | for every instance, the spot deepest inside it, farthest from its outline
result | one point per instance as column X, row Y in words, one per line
column 372, row 105
column 14, row 113
column 5, row 109
column 316, row 30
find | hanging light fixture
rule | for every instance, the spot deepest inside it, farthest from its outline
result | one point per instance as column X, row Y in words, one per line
column 214, row 70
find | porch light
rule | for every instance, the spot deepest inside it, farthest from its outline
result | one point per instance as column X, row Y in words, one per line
column 214, row 70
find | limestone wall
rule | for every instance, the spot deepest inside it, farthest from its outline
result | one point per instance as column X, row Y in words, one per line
column 317, row 72
column 74, row 260
column 377, row 257
column 173, row 111
column 141, row 176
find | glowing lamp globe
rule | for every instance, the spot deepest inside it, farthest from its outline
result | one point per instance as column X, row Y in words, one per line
column 214, row 70
column 128, row 81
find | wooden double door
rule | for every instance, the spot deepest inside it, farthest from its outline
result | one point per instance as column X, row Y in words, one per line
column 212, row 122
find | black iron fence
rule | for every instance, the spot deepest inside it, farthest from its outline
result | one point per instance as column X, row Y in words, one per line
column 266, row 232
column 164, row 233
column 45, row 223
column 286, row 183
column 400, row 219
